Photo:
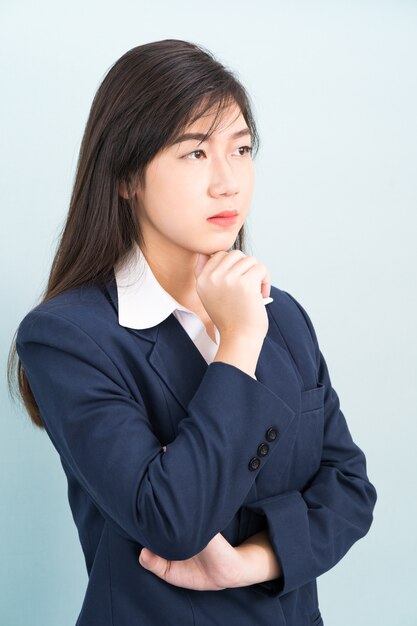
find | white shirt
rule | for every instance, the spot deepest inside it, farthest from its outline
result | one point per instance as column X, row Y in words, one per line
column 142, row 303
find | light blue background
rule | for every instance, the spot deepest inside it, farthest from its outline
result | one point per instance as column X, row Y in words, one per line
column 333, row 217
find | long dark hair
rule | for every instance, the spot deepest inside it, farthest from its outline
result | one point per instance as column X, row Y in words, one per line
column 148, row 97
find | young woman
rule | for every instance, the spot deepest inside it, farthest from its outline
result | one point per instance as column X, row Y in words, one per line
column 211, row 473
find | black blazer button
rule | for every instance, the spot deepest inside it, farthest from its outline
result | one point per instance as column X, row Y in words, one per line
column 263, row 449
column 254, row 463
column 271, row 434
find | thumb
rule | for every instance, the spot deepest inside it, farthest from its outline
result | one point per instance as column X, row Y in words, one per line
column 201, row 261
column 266, row 289
column 147, row 558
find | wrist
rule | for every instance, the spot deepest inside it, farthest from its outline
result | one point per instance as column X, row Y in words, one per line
column 240, row 351
column 258, row 560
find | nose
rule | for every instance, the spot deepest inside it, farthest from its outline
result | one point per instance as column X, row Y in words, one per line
column 224, row 177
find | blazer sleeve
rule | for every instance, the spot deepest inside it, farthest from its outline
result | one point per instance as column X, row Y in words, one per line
column 311, row 530
column 174, row 502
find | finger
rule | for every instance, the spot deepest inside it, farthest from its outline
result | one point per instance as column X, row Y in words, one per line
column 153, row 562
column 242, row 265
column 260, row 272
column 227, row 260
column 266, row 287
column 213, row 260
column 201, row 261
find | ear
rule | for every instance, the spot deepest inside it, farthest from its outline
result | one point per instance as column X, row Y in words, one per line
column 123, row 190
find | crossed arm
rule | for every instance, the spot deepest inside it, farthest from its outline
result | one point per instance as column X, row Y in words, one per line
column 219, row 565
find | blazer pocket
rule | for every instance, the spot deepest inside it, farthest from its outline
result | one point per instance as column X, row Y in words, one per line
column 312, row 399
column 309, row 441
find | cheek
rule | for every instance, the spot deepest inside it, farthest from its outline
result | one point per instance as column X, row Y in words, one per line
column 176, row 201
column 175, row 214
column 248, row 179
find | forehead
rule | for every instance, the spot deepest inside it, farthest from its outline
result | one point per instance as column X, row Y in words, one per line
column 228, row 117
column 228, row 126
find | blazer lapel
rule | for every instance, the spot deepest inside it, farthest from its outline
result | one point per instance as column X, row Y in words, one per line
column 174, row 356
column 178, row 362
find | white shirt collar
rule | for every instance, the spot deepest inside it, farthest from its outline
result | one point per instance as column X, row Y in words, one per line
column 142, row 301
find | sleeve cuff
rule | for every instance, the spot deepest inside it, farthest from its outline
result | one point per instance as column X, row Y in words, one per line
column 288, row 531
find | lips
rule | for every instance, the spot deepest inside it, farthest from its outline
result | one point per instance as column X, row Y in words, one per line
column 225, row 214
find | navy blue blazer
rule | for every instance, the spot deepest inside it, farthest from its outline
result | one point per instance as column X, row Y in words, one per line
column 111, row 396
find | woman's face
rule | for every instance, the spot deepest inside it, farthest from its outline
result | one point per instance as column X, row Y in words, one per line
column 186, row 183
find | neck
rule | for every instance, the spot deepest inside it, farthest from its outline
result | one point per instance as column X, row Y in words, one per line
column 173, row 268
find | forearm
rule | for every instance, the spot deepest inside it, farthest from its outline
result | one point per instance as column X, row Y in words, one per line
column 259, row 562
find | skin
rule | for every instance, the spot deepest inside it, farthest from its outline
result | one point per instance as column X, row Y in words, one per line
column 219, row 565
column 185, row 184
column 183, row 188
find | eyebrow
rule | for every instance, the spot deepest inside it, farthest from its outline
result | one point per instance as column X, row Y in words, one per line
column 187, row 136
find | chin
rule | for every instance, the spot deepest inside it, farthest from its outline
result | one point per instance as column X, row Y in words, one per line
column 221, row 241
column 226, row 246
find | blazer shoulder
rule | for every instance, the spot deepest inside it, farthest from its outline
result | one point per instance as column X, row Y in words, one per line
column 86, row 307
column 292, row 319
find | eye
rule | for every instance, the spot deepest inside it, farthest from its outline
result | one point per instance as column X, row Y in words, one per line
column 194, row 152
column 247, row 150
